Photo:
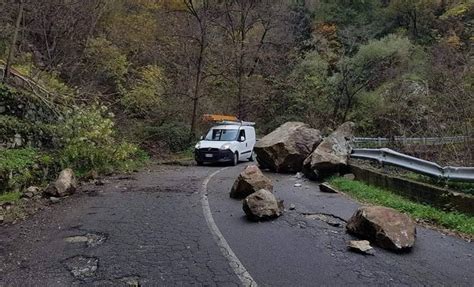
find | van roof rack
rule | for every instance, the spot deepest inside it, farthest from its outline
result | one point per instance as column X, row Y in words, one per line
column 226, row 120
column 242, row 123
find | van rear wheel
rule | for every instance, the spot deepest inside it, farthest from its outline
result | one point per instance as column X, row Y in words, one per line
column 252, row 157
column 235, row 160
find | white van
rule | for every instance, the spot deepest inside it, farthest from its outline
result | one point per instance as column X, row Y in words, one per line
column 226, row 142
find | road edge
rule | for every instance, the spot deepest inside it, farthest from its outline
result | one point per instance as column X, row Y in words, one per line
column 234, row 261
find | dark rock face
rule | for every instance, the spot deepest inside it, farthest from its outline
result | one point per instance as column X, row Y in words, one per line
column 285, row 149
column 66, row 184
column 262, row 205
column 331, row 155
column 384, row 226
column 250, row 180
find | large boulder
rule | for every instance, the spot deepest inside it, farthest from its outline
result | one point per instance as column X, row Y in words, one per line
column 262, row 205
column 384, row 226
column 250, row 180
column 285, row 149
column 66, row 184
column 331, row 155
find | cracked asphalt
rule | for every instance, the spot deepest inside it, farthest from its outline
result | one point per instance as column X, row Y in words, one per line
column 150, row 230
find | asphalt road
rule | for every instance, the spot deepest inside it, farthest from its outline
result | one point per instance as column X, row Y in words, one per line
column 151, row 230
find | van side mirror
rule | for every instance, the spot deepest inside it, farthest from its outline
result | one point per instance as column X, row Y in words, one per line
column 242, row 138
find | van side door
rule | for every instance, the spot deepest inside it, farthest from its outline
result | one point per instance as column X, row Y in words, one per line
column 244, row 147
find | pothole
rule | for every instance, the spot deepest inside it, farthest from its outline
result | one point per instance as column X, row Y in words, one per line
column 90, row 239
column 82, row 267
column 327, row 218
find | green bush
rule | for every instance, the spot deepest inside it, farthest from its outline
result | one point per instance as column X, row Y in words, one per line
column 20, row 168
column 90, row 143
column 174, row 135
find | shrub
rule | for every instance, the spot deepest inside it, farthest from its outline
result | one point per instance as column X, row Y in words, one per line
column 174, row 135
column 90, row 144
column 20, row 168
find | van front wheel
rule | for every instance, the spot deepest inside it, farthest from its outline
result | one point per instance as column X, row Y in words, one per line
column 235, row 160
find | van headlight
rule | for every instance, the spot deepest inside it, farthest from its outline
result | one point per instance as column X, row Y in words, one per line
column 225, row 146
column 197, row 146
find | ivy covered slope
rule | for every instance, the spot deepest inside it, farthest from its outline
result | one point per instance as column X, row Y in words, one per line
column 40, row 136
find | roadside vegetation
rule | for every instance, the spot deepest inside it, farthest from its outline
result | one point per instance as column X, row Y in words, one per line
column 112, row 81
column 10, row 197
column 373, row 195
column 464, row 187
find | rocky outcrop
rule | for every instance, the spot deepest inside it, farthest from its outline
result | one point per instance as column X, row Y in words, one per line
column 331, row 155
column 66, row 184
column 262, row 205
column 285, row 149
column 384, row 226
column 250, row 180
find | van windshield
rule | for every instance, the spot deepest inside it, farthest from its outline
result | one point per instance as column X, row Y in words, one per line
column 221, row 135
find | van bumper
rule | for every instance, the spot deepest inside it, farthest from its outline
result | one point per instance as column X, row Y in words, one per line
column 213, row 155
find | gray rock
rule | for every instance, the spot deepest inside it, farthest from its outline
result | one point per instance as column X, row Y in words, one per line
column 250, row 180
column 361, row 246
column 17, row 140
column 384, row 226
column 2, row 219
column 285, row 149
column 292, row 207
column 262, row 205
column 66, row 184
column 331, row 155
column 54, row 200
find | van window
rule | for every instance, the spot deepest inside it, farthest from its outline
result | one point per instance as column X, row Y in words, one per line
column 221, row 135
column 242, row 134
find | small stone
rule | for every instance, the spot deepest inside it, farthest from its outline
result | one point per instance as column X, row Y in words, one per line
column 325, row 187
column 66, row 184
column 33, row 190
column 292, row 207
column 27, row 195
column 349, row 176
column 361, row 246
column 54, row 200
column 2, row 218
column 99, row 182
column 298, row 184
column 299, row 175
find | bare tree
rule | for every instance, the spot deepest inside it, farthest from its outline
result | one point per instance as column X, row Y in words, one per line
column 14, row 40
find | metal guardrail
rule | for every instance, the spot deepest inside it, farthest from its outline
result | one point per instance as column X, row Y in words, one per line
column 391, row 157
column 381, row 141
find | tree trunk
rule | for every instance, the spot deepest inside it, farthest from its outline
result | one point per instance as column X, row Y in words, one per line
column 11, row 52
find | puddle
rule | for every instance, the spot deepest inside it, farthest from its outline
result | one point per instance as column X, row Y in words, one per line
column 90, row 239
column 82, row 267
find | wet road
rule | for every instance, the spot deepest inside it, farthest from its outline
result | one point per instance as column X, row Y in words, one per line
column 152, row 230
